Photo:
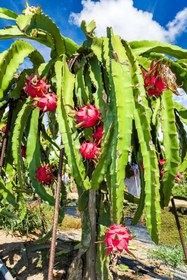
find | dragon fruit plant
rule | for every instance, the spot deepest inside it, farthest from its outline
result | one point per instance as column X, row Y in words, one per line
column 112, row 103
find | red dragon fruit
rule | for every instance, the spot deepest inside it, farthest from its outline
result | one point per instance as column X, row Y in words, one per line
column 87, row 116
column 44, row 174
column 117, row 239
column 48, row 102
column 98, row 134
column 89, row 150
column 4, row 128
column 36, row 86
column 153, row 80
column 23, row 151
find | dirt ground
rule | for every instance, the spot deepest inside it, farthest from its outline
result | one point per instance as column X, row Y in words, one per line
column 27, row 260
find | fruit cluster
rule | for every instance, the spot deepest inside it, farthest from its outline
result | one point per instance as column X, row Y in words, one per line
column 38, row 90
column 89, row 116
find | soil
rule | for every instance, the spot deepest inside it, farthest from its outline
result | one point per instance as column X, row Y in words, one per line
column 27, row 260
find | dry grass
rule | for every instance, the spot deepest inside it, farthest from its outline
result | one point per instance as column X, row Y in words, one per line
column 169, row 233
column 70, row 222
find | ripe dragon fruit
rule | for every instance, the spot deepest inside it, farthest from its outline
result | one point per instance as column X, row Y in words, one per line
column 87, row 116
column 44, row 174
column 98, row 134
column 48, row 102
column 89, row 150
column 153, row 80
column 36, row 86
column 117, row 239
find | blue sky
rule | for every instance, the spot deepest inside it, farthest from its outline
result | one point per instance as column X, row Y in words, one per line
column 164, row 20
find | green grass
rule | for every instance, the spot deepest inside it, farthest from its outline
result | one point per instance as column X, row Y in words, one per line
column 168, row 255
column 180, row 190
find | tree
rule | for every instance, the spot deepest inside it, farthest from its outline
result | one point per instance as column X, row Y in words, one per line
column 111, row 103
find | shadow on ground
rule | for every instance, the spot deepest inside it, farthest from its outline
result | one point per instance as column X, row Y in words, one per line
column 27, row 260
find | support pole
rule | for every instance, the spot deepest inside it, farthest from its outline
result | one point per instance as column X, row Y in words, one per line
column 179, row 229
column 5, row 139
column 55, row 217
column 91, row 253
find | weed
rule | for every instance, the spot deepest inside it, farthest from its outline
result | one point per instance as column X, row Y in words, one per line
column 169, row 255
column 180, row 190
column 38, row 220
column 33, row 222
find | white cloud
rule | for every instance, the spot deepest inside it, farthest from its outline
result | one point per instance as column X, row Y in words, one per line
column 181, row 99
column 129, row 22
column 178, row 25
